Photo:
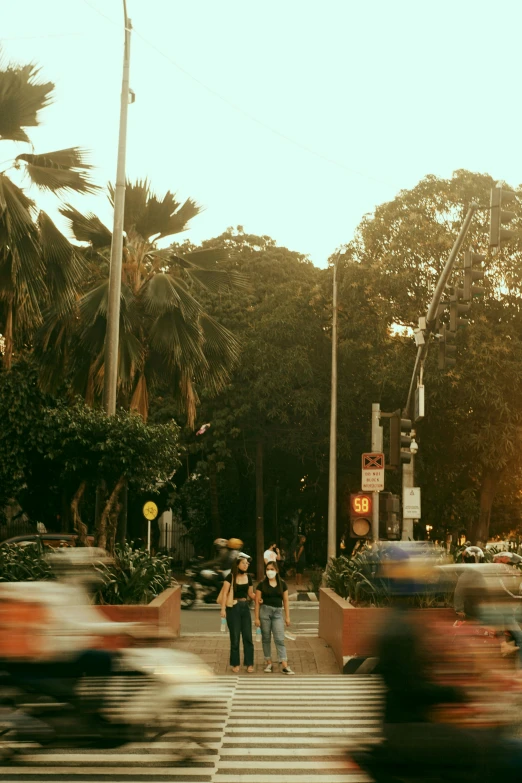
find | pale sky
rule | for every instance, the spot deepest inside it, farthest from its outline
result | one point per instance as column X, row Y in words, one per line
column 388, row 91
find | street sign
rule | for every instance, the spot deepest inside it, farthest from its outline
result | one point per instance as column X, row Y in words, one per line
column 411, row 503
column 150, row 510
column 372, row 472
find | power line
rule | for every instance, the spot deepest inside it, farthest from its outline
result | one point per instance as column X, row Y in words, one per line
column 244, row 112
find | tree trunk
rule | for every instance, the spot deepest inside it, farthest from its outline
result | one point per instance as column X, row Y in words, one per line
column 214, row 500
column 104, row 532
column 488, row 488
column 78, row 525
column 260, row 521
column 121, row 531
column 8, row 338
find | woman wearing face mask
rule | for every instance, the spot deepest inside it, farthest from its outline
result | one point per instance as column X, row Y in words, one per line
column 235, row 597
column 272, row 613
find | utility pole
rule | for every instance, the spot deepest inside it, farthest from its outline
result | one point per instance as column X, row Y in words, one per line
column 332, row 483
column 112, row 335
column 376, row 447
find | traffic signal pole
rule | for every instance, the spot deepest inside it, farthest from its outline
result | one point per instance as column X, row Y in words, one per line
column 431, row 318
column 408, row 469
column 377, row 445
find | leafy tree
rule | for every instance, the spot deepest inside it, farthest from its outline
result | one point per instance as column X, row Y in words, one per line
column 470, row 441
column 37, row 263
column 166, row 337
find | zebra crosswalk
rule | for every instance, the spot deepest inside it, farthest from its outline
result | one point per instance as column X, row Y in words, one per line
column 249, row 730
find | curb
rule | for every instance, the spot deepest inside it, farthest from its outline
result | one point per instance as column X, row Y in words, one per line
column 357, row 664
column 302, row 596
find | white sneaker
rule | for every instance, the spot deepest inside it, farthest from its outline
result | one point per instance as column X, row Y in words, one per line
column 269, row 669
column 288, row 670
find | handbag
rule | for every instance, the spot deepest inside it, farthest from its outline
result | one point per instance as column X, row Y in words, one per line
column 230, row 596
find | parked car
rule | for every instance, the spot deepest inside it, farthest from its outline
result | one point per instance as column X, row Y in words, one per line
column 46, row 540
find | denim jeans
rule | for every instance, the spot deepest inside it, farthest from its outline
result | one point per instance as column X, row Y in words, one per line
column 239, row 622
column 272, row 622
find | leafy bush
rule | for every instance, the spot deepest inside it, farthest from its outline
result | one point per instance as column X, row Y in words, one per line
column 316, row 579
column 358, row 579
column 23, row 564
column 135, row 577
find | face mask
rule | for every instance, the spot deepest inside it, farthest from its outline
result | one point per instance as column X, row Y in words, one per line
column 271, row 574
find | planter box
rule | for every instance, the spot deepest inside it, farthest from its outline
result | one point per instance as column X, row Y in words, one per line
column 351, row 631
column 164, row 613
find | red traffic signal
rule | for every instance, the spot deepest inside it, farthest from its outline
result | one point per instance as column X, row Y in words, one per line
column 360, row 515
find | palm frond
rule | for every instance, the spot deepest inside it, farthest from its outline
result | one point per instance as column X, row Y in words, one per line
column 150, row 216
column 163, row 293
column 22, row 242
column 221, row 349
column 177, row 340
column 87, row 228
column 207, row 258
column 60, row 171
column 22, row 97
column 64, row 267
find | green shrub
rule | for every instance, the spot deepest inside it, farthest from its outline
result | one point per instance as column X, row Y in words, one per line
column 358, row 579
column 135, row 577
column 316, row 579
column 23, row 564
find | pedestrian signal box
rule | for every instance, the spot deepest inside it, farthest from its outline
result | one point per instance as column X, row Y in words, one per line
column 360, row 515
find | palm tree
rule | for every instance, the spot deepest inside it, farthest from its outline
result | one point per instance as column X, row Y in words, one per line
column 166, row 337
column 38, row 265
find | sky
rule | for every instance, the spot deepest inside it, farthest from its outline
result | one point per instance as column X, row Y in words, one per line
column 291, row 118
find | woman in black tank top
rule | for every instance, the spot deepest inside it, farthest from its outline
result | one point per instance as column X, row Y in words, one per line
column 235, row 607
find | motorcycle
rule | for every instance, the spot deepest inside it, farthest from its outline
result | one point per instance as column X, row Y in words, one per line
column 205, row 583
column 69, row 677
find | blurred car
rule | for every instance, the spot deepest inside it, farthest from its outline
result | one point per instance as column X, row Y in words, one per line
column 45, row 540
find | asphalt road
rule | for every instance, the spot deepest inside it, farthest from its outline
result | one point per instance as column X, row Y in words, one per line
column 206, row 619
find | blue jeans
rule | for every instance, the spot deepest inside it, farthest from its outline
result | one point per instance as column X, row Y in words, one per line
column 239, row 622
column 272, row 622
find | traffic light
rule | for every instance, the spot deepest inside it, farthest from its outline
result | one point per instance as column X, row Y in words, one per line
column 500, row 217
column 447, row 349
column 360, row 515
column 471, row 275
column 400, row 439
column 458, row 310
column 389, row 516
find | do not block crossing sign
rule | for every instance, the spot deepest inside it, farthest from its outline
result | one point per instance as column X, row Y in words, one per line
column 372, row 472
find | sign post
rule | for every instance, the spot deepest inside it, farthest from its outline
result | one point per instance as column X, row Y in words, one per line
column 150, row 512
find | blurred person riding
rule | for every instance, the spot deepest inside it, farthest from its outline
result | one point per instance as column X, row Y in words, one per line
column 235, row 597
column 415, row 743
column 272, row 613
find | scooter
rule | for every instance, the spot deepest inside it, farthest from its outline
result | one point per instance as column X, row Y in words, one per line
column 205, row 584
column 71, row 678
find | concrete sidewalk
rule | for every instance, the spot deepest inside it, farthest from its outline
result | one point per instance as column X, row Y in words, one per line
column 306, row 655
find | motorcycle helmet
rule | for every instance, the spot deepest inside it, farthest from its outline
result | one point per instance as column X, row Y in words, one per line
column 473, row 554
column 244, row 556
column 234, row 543
column 220, row 543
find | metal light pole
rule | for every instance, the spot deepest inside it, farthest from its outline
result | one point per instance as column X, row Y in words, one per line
column 376, row 447
column 332, row 484
column 112, row 335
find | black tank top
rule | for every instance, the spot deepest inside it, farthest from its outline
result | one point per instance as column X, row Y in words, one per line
column 240, row 591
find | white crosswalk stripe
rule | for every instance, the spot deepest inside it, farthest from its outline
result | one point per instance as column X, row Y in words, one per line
column 252, row 730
